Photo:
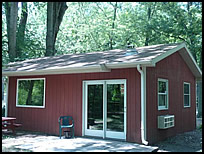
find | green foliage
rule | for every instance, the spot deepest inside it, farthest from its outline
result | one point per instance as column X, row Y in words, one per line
column 37, row 92
column 200, row 127
column 5, row 56
column 88, row 27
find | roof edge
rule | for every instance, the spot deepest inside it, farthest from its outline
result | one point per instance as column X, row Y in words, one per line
column 72, row 70
column 198, row 75
column 105, row 67
column 193, row 60
column 166, row 54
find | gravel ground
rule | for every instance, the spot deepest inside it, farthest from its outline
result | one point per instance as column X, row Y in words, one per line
column 186, row 142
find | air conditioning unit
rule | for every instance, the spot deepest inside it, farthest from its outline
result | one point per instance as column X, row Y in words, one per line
column 165, row 121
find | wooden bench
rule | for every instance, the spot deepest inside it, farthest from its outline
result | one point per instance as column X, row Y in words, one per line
column 11, row 127
column 4, row 125
column 17, row 125
column 9, row 123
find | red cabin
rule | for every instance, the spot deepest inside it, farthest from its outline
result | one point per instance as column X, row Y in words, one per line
column 142, row 95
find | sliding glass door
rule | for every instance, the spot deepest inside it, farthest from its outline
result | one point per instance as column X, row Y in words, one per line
column 115, row 110
column 105, row 108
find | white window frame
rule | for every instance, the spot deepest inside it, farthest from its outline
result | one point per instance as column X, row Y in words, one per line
column 166, row 93
column 103, row 133
column 187, row 83
column 17, row 105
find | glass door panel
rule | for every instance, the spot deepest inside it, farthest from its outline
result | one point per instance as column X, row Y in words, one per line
column 115, row 107
column 105, row 108
column 95, row 107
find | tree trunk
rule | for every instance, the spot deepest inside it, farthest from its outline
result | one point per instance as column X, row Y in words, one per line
column 7, row 11
column 147, row 37
column 11, row 18
column 21, row 29
column 55, row 13
column 113, row 25
column 29, row 97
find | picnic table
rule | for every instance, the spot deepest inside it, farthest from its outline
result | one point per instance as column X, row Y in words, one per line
column 9, row 123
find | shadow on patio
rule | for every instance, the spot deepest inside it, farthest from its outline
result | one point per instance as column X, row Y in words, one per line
column 34, row 141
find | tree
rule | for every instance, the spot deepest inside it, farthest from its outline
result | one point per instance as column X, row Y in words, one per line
column 30, row 91
column 20, row 42
column 11, row 9
column 89, row 26
column 15, row 29
column 113, row 24
column 55, row 13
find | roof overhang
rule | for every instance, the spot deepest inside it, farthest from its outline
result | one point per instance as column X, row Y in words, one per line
column 106, row 67
column 65, row 70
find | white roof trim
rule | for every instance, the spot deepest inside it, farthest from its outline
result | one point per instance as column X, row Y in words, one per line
column 105, row 67
column 56, row 71
column 193, row 60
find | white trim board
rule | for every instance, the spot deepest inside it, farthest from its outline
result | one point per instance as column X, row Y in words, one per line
column 104, row 133
column 30, row 105
column 189, row 84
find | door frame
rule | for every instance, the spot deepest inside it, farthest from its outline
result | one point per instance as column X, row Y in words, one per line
column 103, row 133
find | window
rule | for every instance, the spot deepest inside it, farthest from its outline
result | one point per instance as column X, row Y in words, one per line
column 162, row 94
column 31, row 92
column 186, row 92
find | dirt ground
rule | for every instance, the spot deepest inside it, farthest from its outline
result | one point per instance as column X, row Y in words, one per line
column 186, row 142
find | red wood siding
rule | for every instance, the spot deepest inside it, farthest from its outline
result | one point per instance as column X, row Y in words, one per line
column 64, row 97
column 176, row 71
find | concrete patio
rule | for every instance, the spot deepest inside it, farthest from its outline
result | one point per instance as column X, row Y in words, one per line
column 38, row 142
